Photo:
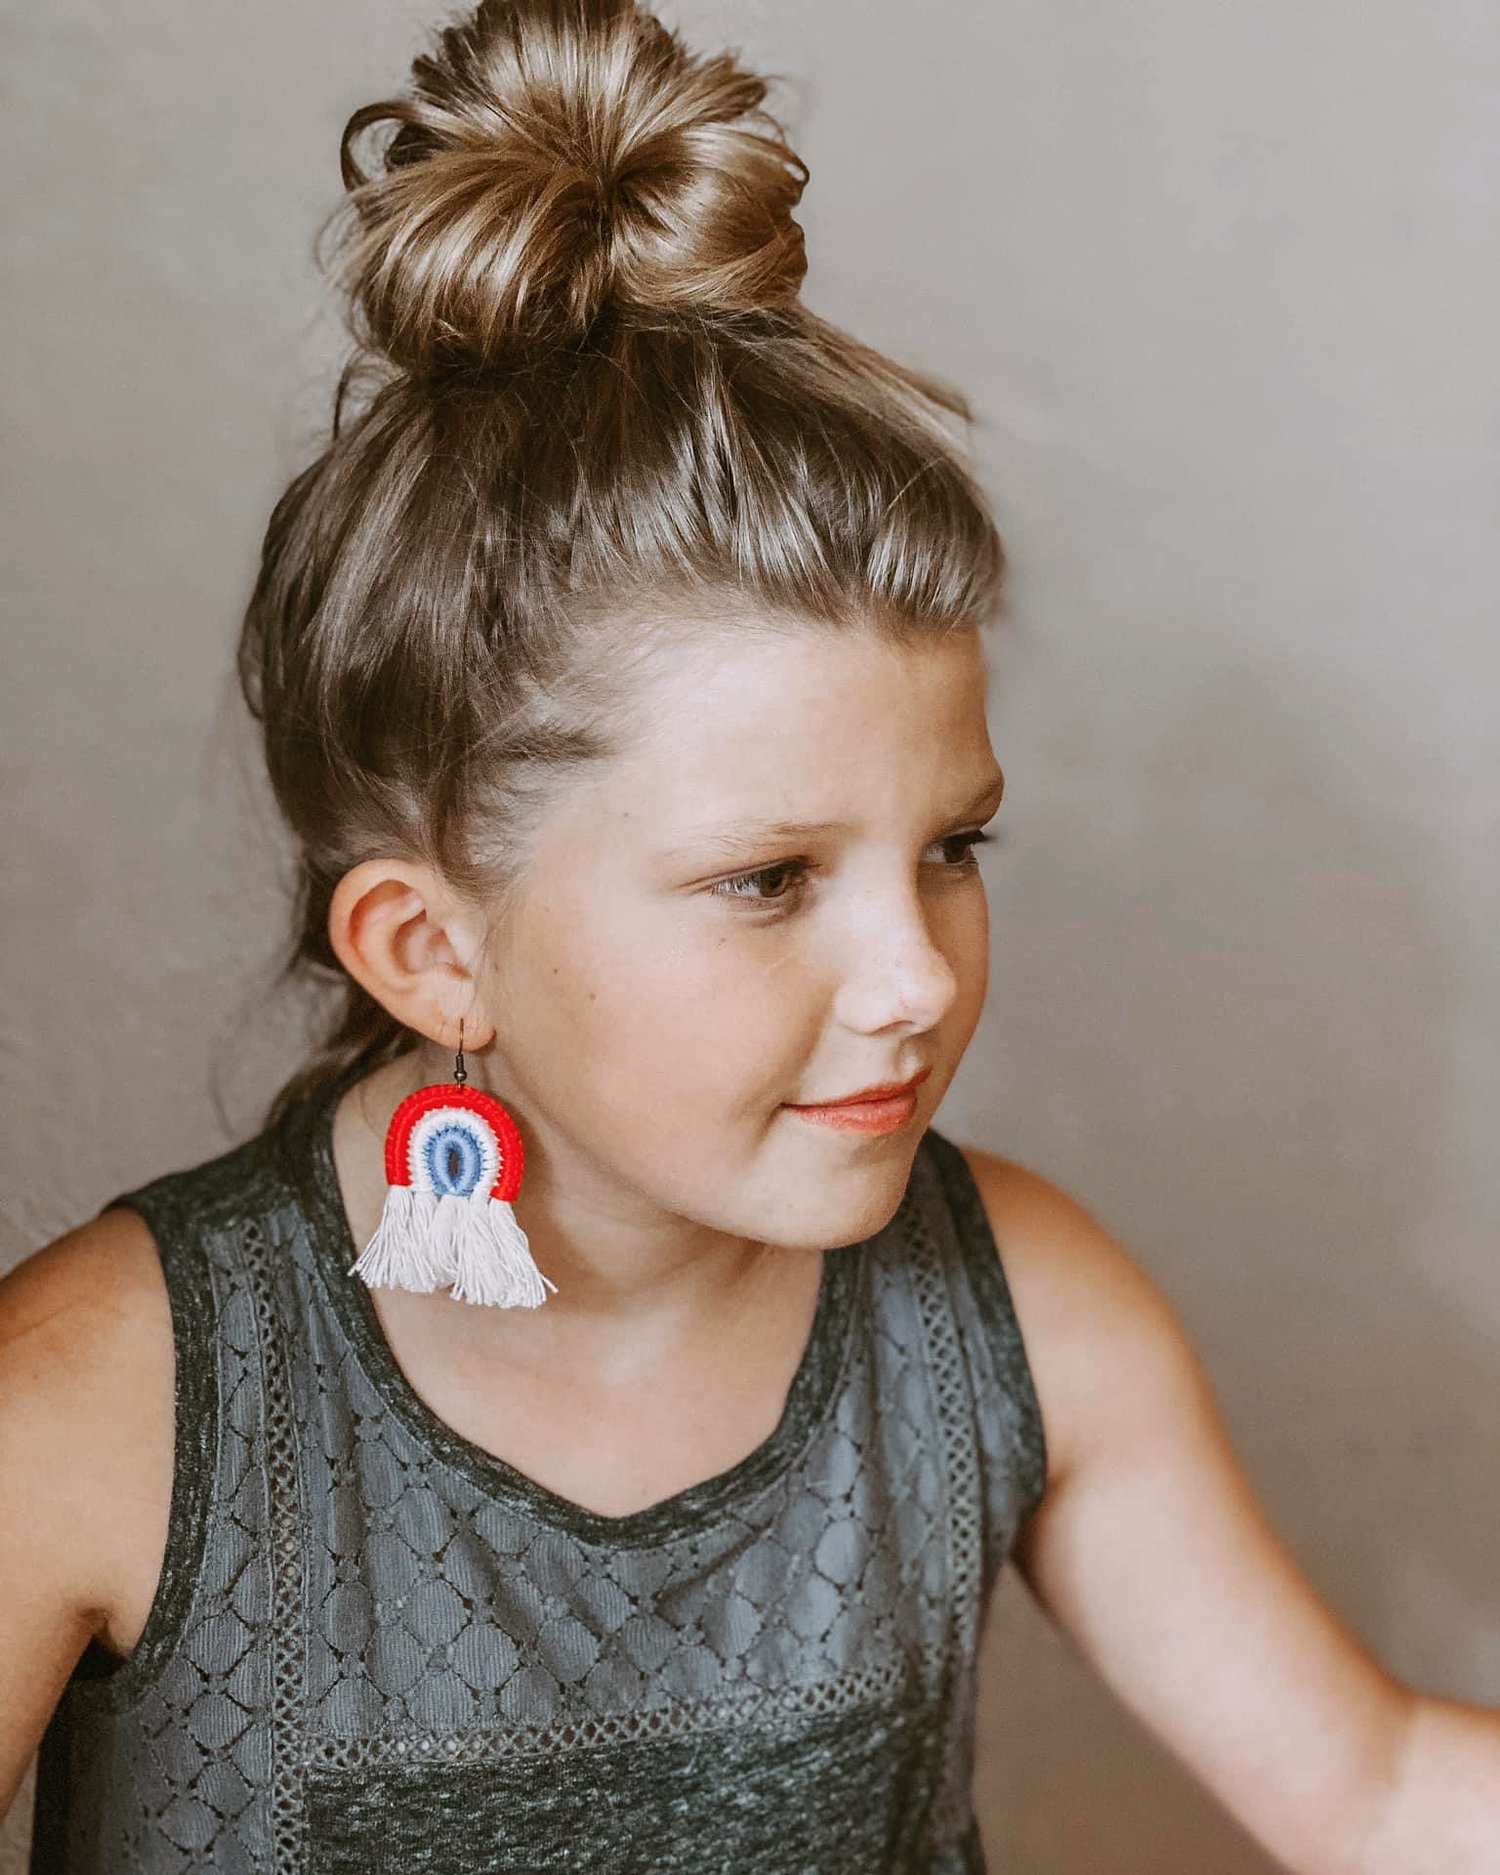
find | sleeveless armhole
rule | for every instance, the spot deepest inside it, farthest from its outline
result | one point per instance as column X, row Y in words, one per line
column 986, row 1272
column 99, row 1675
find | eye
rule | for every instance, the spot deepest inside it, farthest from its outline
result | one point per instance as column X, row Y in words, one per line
column 735, row 887
column 967, row 859
column 742, row 885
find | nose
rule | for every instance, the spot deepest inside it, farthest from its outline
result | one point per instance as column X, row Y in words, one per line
column 900, row 974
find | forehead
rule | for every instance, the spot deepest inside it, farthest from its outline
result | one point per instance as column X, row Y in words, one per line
column 807, row 711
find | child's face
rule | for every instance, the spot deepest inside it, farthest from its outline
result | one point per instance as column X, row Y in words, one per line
column 650, row 1029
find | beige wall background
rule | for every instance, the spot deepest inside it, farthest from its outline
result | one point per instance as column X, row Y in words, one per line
column 1224, row 283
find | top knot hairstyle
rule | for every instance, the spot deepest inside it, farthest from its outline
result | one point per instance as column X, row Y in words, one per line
column 557, row 164
column 586, row 415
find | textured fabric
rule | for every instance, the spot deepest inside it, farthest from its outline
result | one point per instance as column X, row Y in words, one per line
column 376, row 1647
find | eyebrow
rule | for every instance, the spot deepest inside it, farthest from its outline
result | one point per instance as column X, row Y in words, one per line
column 748, row 832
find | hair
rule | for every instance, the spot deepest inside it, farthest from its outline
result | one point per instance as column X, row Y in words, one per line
column 586, row 412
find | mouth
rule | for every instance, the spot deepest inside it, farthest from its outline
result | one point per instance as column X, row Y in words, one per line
column 874, row 1110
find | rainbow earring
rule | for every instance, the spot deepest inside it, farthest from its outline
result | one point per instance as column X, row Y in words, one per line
column 453, row 1161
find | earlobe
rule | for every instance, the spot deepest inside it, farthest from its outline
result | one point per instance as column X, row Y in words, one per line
column 389, row 924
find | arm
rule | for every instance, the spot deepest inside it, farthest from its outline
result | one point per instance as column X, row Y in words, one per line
column 1441, row 1809
column 86, row 1446
column 1153, row 1555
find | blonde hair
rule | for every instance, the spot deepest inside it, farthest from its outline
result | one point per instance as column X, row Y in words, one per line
column 586, row 413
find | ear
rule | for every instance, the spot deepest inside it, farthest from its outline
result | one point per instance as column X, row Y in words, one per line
column 402, row 934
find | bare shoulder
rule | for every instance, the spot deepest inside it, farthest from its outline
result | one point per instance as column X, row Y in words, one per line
column 1096, row 1327
column 1211, row 1635
column 87, row 1386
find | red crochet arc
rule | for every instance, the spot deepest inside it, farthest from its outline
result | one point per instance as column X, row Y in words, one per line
column 483, row 1106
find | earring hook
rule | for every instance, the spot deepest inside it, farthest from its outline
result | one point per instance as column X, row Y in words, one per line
column 460, row 1072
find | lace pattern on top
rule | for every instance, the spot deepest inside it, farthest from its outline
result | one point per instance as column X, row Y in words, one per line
column 360, row 1593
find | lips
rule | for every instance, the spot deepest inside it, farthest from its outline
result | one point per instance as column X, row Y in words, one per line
column 888, row 1090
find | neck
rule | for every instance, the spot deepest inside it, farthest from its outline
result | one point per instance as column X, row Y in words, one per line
column 623, row 1285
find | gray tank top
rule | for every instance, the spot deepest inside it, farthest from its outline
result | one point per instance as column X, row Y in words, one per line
column 377, row 1649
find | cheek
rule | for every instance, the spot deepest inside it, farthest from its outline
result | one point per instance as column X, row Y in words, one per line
column 969, row 953
column 678, row 1009
column 708, row 1026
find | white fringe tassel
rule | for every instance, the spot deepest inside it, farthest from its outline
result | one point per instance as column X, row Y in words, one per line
column 407, row 1251
column 492, row 1258
column 424, row 1242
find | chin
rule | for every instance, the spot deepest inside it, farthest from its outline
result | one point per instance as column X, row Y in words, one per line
column 856, row 1203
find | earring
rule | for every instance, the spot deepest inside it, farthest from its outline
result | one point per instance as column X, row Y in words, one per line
column 453, row 1161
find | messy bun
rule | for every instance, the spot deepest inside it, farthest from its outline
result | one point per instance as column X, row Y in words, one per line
column 587, row 416
column 555, row 163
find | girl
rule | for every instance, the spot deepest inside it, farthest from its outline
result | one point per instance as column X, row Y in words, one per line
column 584, row 1427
